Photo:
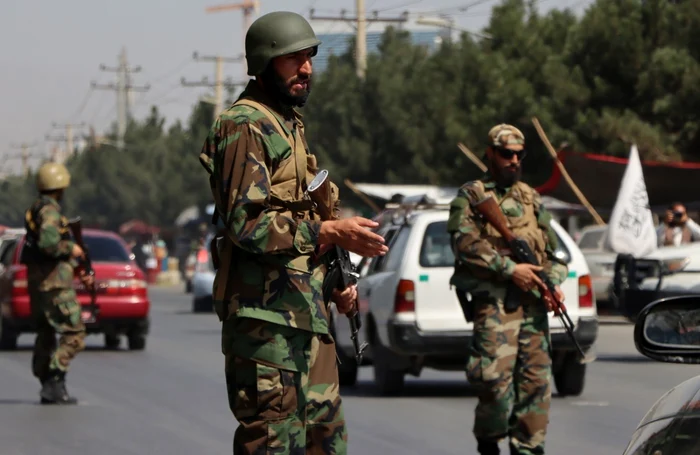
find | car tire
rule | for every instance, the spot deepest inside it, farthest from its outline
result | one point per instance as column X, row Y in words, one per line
column 112, row 342
column 8, row 337
column 202, row 305
column 137, row 342
column 388, row 382
column 570, row 377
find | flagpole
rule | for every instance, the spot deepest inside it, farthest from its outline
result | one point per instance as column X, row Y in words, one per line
column 566, row 175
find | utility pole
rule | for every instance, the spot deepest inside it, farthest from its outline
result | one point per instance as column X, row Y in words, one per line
column 25, row 155
column 250, row 8
column 219, row 82
column 124, row 88
column 70, row 148
column 361, row 21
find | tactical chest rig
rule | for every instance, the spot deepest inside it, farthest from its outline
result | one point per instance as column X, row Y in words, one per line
column 30, row 251
column 523, row 225
column 287, row 194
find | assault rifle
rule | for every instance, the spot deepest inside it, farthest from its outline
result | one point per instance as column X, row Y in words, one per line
column 341, row 271
column 77, row 231
column 490, row 210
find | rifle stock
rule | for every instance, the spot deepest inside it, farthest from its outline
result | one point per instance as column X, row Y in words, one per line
column 522, row 253
column 75, row 226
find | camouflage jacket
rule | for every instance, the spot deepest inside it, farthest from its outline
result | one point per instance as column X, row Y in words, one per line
column 482, row 261
column 267, row 271
column 52, row 266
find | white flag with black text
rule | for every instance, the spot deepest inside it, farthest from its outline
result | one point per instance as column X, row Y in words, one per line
column 631, row 228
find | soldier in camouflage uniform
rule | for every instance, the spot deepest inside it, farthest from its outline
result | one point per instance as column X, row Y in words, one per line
column 280, row 359
column 510, row 356
column 50, row 257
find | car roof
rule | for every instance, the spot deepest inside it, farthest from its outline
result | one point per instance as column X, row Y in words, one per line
column 428, row 215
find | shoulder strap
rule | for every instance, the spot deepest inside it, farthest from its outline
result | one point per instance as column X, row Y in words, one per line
column 295, row 143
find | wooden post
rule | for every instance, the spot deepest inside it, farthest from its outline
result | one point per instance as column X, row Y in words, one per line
column 566, row 175
column 472, row 157
column 362, row 196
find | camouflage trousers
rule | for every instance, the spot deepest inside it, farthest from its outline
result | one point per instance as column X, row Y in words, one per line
column 56, row 311
column 510, row 363
column 288, row 412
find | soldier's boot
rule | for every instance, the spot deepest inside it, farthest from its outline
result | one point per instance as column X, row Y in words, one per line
column 54, row 391
column 487, row 447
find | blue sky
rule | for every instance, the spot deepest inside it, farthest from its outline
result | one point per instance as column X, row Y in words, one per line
column 51, row 51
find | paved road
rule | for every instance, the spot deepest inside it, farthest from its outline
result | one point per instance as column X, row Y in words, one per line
column 170, row 399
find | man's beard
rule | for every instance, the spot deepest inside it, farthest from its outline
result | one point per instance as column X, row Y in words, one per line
column 281, row 89
column 507, row 176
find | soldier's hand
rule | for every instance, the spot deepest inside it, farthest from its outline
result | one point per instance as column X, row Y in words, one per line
column 77, row 251
column 86, row 279
column 552, row 305
column 345, row 300
column 351, row 234
column 525, row 278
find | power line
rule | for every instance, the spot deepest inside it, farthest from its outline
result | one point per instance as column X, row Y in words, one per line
column 361, row 21
column 219, row 81
column 25, row 155
column 68, row 138
column 124, row 89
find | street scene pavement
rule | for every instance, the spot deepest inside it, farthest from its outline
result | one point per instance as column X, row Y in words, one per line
column 171, row 399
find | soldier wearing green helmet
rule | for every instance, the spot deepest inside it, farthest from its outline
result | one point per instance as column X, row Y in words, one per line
column 280, row 358
column 50, row 256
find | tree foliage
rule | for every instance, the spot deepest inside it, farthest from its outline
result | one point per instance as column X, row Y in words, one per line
column 627, row 70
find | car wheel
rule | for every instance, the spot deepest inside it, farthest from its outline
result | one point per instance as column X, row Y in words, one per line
column 112, row 341
column 570, row 376
column 387, row 381
column 137, row 342
column 202, row 305
column 8, row 337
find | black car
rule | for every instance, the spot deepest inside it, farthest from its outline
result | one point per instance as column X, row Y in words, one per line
column 668, row 330
column 628, row 294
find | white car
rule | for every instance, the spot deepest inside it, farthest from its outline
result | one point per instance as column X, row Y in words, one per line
column 411, row 318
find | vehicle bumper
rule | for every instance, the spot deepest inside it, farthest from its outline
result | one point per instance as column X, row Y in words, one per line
column 116, row 315
column 630, row 274
column 407, row 339
column 632, row 301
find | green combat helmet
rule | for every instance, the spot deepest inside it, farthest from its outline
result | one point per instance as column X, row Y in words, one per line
column 52, row 176
column 275, row 34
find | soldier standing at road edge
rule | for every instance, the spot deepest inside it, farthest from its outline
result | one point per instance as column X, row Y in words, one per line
column 50, row 257
column 510, row 356
column 280, row 359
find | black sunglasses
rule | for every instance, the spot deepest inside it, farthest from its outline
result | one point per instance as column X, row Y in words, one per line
column 508, row 153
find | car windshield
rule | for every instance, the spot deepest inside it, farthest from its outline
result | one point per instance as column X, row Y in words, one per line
column 437, row 252
column 105, row 249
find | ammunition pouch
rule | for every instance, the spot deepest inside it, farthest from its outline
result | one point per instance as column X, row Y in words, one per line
column 467, row 300
column 514, row 297
column 467, row 303
column 30, row 253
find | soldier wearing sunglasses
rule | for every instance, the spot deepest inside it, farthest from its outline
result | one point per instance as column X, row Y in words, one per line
column 510, row 356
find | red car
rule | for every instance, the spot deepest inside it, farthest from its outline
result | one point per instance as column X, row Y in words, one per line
column 122, row 292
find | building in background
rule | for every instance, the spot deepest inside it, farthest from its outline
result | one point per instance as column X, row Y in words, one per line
column 338, row 43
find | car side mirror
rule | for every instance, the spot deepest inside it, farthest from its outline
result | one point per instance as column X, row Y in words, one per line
column 668, row 330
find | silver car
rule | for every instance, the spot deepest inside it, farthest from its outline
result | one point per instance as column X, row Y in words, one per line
column 601, row 261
